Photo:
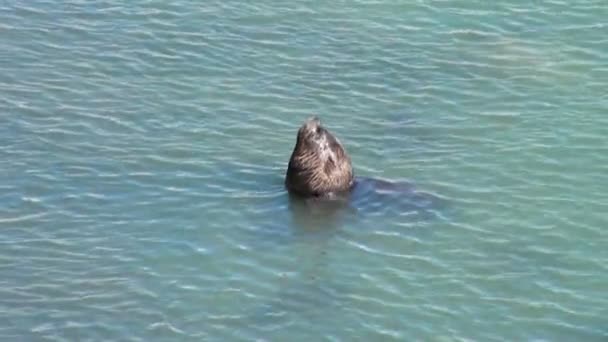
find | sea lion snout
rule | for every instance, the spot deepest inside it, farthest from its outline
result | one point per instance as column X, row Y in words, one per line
column 314, row 120
column 312, row 124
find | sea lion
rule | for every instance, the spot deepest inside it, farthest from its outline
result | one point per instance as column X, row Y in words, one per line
column 319, row 165
column 320, row 169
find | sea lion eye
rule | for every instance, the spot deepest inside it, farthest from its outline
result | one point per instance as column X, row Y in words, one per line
column 318, row 130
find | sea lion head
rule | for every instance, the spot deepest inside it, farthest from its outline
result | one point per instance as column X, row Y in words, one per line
column 319, row 165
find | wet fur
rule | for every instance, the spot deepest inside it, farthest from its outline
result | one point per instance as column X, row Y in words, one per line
column 319, row 165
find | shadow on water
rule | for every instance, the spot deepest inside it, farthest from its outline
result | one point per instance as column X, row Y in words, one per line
column 322, row 218
column 318, row 217
column 371, row 197
column 309, row 291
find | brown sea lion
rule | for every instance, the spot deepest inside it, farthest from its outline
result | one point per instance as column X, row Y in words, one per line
column 319, row 165
column 320, row 168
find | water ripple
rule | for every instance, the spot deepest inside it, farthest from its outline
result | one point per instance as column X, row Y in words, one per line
column 145, row 147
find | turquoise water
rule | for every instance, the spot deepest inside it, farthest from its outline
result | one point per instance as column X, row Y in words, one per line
column 144, row 145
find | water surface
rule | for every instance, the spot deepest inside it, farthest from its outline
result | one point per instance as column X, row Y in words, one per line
column 144, row 146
